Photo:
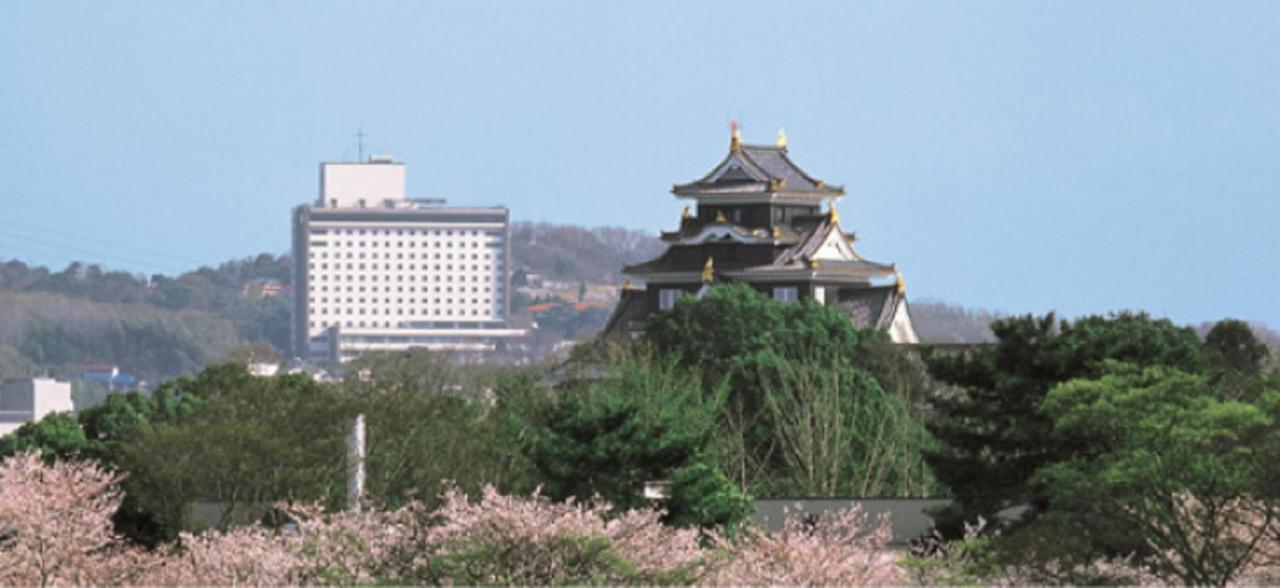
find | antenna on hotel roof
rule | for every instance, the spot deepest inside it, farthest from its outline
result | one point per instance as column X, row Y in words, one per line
column 360, row 144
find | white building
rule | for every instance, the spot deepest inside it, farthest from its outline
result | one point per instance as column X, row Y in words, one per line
column 377, row 271
column 31, row 399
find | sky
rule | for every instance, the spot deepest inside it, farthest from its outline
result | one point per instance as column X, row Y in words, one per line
column 1080, row 157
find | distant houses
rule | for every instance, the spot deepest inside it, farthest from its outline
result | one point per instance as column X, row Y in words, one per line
column 109, row 376
column 264, row 288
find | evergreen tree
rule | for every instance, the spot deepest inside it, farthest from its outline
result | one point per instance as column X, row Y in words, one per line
column 992, row 433
column 646, row 422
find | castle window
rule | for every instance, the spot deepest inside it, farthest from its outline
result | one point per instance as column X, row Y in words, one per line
column 667, row 297
column 786, row 294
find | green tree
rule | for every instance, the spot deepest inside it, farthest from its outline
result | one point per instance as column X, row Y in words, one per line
column 55, row 436
column 1163, row 454
column 645, row 422
column 103, row 433
column 991, row 431
column 775, row 359
column 838, row 433
column 418, row 444
column 254, row 441
column 1235, row 360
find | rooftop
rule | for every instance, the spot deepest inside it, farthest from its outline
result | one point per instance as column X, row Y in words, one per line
column 757, row 169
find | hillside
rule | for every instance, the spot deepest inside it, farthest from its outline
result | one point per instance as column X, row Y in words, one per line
column 938, row 322
column 54, row 333
column 155, row 327
column 576, row 254
column 161, row 326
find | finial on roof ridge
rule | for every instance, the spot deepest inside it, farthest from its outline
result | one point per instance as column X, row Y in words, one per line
column 782, row 138
column 709, row 270
column 834, row 214
column 720, row 217
column 899, row 282
column 686, row 215
column 735, row 136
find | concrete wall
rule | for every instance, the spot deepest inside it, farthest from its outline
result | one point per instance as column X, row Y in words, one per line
column 31, row 399
column 907, row 516
column 349, row 183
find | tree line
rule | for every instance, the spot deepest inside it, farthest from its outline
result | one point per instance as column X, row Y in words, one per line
column 1073, row 444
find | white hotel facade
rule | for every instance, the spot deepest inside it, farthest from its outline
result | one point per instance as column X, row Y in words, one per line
column 374, row 270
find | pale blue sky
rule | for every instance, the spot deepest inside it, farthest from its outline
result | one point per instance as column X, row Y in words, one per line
column 1019, row 156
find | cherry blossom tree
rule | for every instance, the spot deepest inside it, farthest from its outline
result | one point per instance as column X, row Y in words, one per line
column 55, row 525
column 838, row 547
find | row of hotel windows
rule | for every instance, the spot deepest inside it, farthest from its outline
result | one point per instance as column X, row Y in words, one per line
column 447, row 244
column 475, row 279
column 373, row 324
column 374, row 255
column 473, row 312
column 667, row 296
column 350, row 300
column 487, row 289
column 400, row 267
column 410, row 232
column 410, row 310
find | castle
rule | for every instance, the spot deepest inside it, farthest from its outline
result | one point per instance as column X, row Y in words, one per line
column 759, row 220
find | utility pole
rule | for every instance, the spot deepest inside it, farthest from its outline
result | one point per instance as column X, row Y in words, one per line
column 355, row 464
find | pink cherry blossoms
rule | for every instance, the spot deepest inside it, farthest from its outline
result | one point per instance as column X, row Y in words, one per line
column 55, row 529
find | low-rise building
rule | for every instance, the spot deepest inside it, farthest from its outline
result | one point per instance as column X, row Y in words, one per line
column 108, row 375
column 30, row 399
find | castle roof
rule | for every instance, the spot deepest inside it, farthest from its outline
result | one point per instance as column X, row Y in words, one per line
column 808, row 253
column 757, row 169
column 874, row 307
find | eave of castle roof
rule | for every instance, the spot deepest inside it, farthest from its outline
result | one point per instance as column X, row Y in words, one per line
column 757, row 169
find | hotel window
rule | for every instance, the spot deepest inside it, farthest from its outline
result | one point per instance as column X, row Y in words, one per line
column 786, row 294
column 667, row 297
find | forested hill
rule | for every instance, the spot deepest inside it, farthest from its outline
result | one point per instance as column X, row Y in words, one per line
column 160, row 326
column 157, row 327
column 577, row 254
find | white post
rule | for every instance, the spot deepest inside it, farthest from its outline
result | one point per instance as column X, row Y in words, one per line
column 355, row 464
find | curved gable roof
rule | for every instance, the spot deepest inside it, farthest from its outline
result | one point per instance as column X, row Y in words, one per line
column 757, row 169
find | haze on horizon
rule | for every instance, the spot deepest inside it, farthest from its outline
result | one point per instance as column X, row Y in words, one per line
column 1023, row 157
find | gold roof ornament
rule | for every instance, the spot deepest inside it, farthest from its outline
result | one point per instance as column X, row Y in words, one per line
column 899, row 282
column 834, row 214
column 720, row 217
column 709, row 271
column 782, row 138
column 821, row 185
column 627, row 285
column 777, row 232
column 687, row 214
column 777, row 184
column 735, row 136
column 814, row 264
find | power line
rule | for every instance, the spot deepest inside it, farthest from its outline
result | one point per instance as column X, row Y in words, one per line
column 64, row 248
column 92, row 238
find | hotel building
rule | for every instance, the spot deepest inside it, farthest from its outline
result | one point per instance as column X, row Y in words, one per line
column 374, row 270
